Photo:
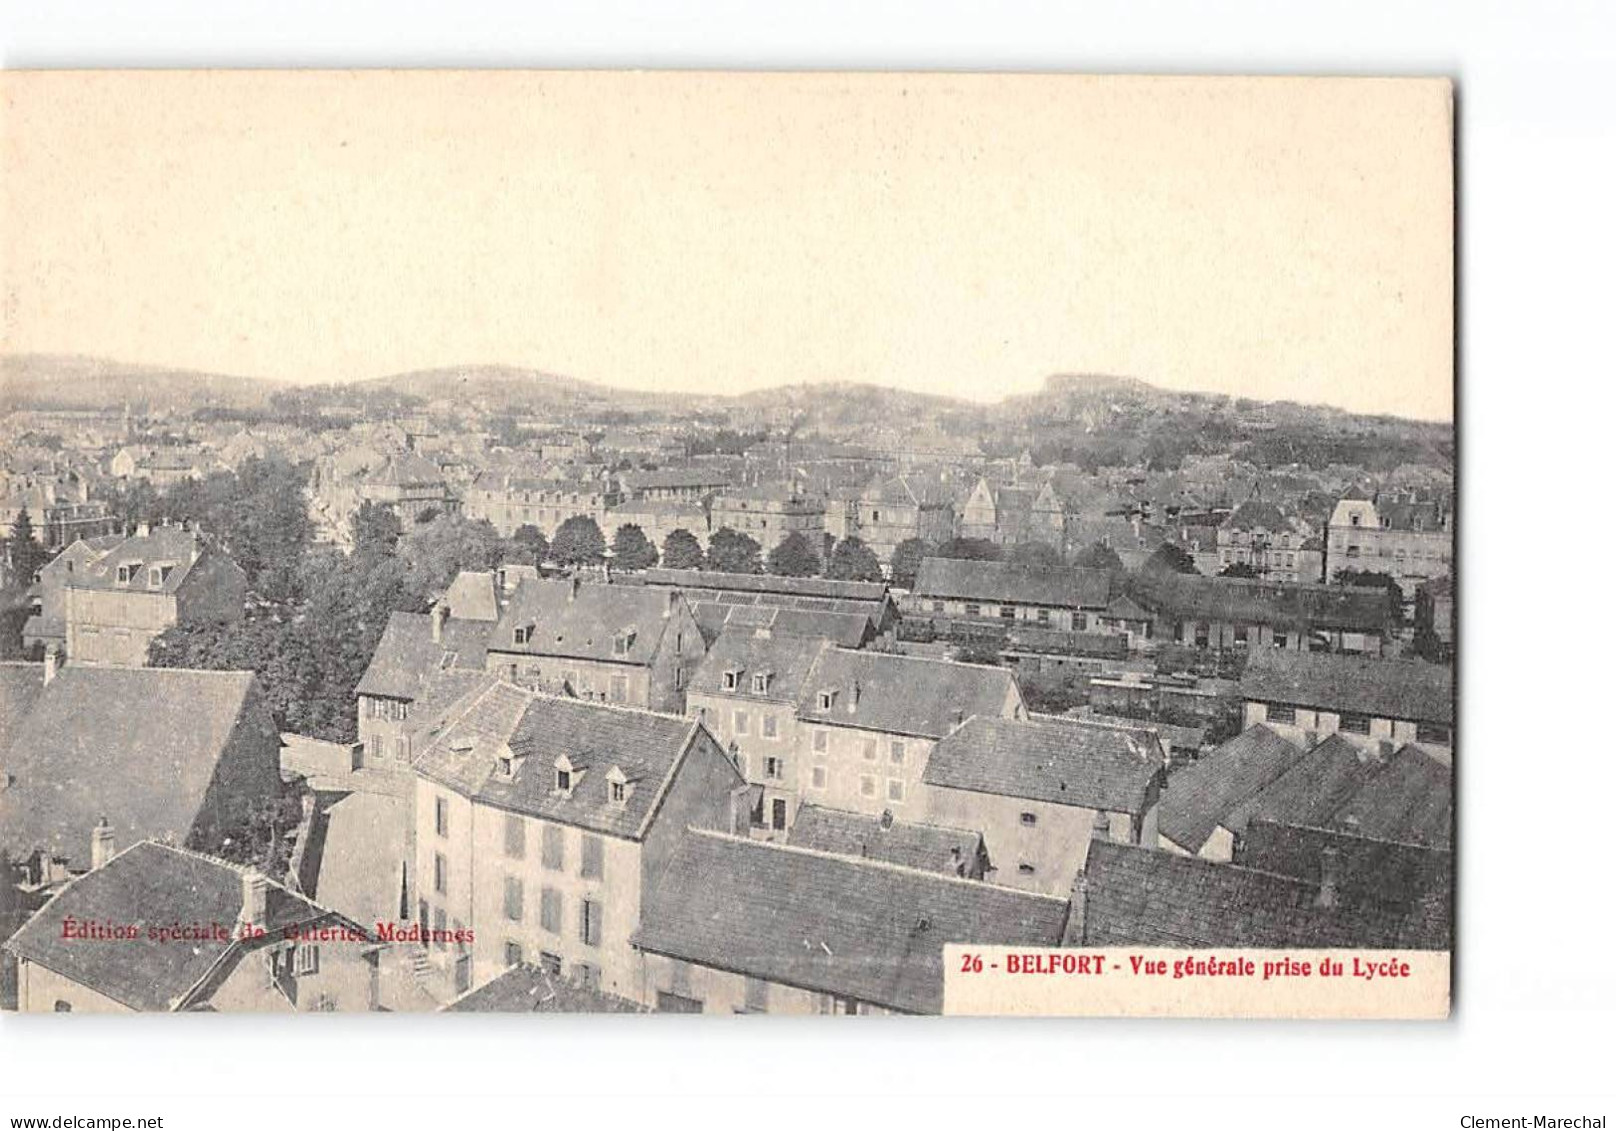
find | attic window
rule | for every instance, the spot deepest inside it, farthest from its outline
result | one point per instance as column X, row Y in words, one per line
column 760, row 683
column 522, row 634
column 827, row 699
column 128, row 572
column 507, row 766
column 567, row 775
column 622, row 642
column 617, row 787
column 157, row 575
column 732, row 679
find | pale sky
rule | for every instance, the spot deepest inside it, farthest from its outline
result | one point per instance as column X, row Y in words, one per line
column 967, row 235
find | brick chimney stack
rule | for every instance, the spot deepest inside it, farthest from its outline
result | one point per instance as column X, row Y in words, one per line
column 103, row 844
column 53, row 662
column 254, row 898
column 440, row 613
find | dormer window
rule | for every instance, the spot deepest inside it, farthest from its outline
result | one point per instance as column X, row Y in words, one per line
column 732, row 679
column 506, row 766
column 567, row 776
column 622, row 642
column 827, row 700
column 128, row 572
column 522, row 634
column 760, row 683
column 617, row 786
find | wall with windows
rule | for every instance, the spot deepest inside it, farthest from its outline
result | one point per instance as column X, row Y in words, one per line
column 1298, row 723
column 863, row 771
column 761, row 735
column 672, row 985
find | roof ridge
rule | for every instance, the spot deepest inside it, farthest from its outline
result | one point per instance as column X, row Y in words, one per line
column 920, row 659
column 870, row 861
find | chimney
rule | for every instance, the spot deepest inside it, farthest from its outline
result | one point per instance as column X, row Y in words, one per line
column 103, row 845
column 673, row 603
column 143, row 530
column 572, row 587
column 853, row 700
column 1101, row 828
column 1329, row 877
column 254, row 898
column 440, row 613
column 53, row 661
column 886, row 819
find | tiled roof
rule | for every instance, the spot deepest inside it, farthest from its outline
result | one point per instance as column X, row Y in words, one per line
column 407, row 658
column 1070, row 588
column 899, row 694
column 532, row 989
column 1142, row 897
column 20, row 685
column 1286, row 606
column 786, row 660
column 1383, row 689
column 536, row 730
column 1257, row 515
column 1204, row 794
column 409, row 470
column 931, row 848
column 1173, row 735
column 701, row 579
column 851, row 630
column 138, row 746
column 473, row 596
column 1058, row 761
column 1314, row 786
column 164, row 545
column 909, row 490
column 833, row 924
column 148, row 884
column 579, row 620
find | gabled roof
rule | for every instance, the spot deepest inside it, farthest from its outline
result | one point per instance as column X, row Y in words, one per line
column 407, row 658
column 1288, row 606
column 1314, row 786
column 1254, row 514
column 138, row 746
column 786, row 660
column 833, row 924
column 705, row 579
column 1071, row 588
column 20, row 685
column 1058, row 761
column 150, row 884
column 164, row 545
column 931, row 848
column 535, row 731
column 533, row 989
column 900, row 694
column 908, row 490
column 409, row 470
column 1204, row 794
column 580, row 620
column 1384, row 689
column 1141, row 897
column 850, row 630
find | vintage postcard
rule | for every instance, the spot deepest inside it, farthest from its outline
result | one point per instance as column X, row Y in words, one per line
column 567, row 542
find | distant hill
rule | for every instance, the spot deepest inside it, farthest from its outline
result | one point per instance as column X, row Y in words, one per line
column 67, row 381
column 499, row 383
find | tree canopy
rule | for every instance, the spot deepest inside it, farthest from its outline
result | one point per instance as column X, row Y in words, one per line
column 969, row 549
column 733, row 552
column 578, row 541
column 1040, row 557
column 1098, row 555
column 795, row 556
column 852, row 560
column 631, row 549
column 906, row 559
column 681, row 550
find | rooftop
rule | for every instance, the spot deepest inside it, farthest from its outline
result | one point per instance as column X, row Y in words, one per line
column 1386, row 689
column 931, row 848
column 900, row 694
column 1202, row 795
column 587, row 621
column 1072, row 587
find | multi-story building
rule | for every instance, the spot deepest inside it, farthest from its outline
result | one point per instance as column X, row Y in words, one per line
column 1234, row 613
column 46, row 627
column 1072, row 600
column 115, row 606
column 1008, row 514
column 1037, row 789
column 1312, row 696
column 1274, row 544
column 685, row 484
column 657, row 519
column 410, row 486
column 60, row 509
column 867, row 722
column 892, row 511
column 511, row 502
column 297, row 956
column 1407, row 534
column 746, row 691
column 627, row 644
column 770, row 513
column 541, row 824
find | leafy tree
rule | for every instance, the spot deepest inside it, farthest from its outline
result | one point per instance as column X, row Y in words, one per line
column 631, row 549
column 1169, row 558
column 906, row 560
column 1040, row 557
column 795, row 556
column 733, row 552
column 977, row 652
column 854, row 561
column 1374, row 579
column 531, row 544
column 1056, row 691
column 376, row 529
column 1098, row 556
column 435, row 554
column 27, row 555
column 578, row 541
column 969, row 549
column 680, row 550
column 1240, row 569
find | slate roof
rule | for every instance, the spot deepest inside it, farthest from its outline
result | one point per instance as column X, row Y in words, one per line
column 931, row 848
column 472, row 595
column 407, row 659
column 1204, row 794
column 1070, row 588
column 1173, row 735
column 833, row 924
column 673, row 478
column 532, row 989
column 1314, row 786
column 1255, row 514
column 702, row 579
column 20, row 685
column 157, row 885
column 1386, row 689
column 787, row 660
column 1059, row 761
column 409, row 470
column 580, row 620
column 537, row 729
column 900, row 694
column 138, row 746
column 1140, row 897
